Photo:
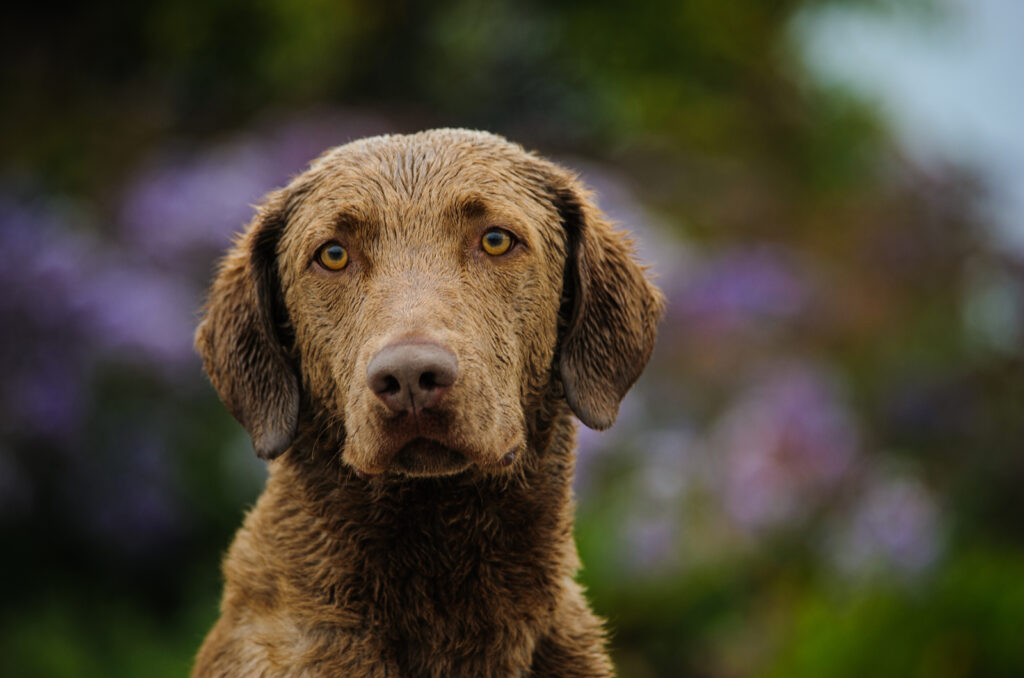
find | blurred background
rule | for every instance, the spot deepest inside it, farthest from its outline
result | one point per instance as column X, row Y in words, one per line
column 820, row 474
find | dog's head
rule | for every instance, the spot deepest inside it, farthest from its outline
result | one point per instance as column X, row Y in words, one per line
column 423, row 294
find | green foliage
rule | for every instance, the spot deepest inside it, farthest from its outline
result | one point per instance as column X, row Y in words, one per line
column 74, row 630
column 965, row 622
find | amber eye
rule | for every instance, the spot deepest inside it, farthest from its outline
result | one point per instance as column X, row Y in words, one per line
column 496, row 241
column 332, row 256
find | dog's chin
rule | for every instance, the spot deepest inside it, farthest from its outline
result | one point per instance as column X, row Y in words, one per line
column 422, row 457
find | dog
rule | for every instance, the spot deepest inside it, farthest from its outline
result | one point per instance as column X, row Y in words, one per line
column 406, row 331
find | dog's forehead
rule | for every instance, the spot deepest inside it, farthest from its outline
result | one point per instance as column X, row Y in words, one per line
column 431, row 174
column 426, row 165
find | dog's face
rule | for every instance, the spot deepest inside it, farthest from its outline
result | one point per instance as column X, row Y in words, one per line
column 418, row 281
column 422, row 294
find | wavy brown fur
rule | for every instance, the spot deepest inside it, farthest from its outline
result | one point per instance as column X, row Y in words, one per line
column 350, row 565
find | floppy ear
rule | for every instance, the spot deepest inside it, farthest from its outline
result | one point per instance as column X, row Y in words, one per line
column 611, row 311
column 240, row 336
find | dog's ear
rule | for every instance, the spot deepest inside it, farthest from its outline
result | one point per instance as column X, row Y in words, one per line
column 242, row 333
column 610, row 310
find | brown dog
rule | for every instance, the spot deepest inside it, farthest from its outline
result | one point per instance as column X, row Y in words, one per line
column 405, row 330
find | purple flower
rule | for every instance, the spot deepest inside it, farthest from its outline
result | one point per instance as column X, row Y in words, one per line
column 71, row 301
column 187, row 205
column 740, row 286
column 894, row 526
column 181, row 207
column 41, row 349
column 785, row 443
column 43, row 261
column 66, row 288
column 139, row 313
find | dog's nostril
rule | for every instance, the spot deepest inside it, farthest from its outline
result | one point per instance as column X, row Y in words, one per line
column 428, row 381
column 389, row 386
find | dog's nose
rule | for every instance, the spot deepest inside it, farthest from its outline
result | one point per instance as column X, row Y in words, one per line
column 410, row 376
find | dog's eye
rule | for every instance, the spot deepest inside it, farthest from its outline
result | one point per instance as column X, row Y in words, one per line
column 496, row 241
column 332, row 256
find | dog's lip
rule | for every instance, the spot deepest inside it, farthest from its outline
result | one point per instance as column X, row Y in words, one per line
column 423, row 456
column 453, row 451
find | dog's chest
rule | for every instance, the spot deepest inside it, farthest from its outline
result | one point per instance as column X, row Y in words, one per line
column 433, row 586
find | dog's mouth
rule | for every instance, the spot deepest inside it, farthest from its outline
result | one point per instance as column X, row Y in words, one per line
column 425, row 457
